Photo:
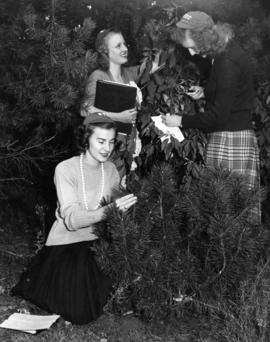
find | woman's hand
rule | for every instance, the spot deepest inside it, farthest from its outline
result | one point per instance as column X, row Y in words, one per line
column 172, row 120
column 195, row 92
column 85, row 109
column 127, row 116
column 126, row 202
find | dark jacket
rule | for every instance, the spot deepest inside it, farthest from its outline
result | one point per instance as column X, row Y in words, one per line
column 229, row 94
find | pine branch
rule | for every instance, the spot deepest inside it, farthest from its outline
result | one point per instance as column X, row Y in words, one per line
column 22, row 151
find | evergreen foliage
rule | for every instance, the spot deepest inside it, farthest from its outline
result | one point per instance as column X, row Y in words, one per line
column 182, row 248
column 189, row 243
column 165, row 91
column 43, row 65
column 47, row 54
column 248, row 319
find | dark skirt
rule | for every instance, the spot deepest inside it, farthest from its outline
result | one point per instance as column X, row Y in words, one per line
column 66, row 280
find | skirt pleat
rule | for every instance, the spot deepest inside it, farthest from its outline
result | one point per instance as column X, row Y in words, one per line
column 66, row 280
column 237, row 151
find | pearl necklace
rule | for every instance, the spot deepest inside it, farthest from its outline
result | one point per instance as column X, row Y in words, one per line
column 83, row 184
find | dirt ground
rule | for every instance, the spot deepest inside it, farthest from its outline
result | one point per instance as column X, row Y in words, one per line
column 17, row 245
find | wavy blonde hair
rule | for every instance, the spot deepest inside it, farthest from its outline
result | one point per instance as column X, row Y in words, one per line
column 101, row 45
column 209, row 41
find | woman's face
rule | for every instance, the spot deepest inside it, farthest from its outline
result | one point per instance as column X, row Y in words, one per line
column 189, row 43
column 101, row 143
column 118, row 51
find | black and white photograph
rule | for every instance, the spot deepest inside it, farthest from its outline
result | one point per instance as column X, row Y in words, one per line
column 135, row 170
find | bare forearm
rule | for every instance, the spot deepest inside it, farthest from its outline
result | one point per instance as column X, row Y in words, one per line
column 93, row 109
column 127, row 116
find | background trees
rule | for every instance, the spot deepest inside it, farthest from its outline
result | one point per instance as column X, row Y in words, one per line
column 47, row 53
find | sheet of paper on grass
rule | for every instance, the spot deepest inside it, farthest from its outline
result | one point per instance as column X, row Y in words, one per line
column 29, row 323
column 168, row 131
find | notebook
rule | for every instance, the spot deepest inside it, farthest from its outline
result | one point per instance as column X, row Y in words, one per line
column 28, row 323
column 116, row 97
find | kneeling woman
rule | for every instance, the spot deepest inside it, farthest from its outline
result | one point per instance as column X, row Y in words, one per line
column 63, row 278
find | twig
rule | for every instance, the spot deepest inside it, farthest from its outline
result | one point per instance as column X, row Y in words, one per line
column 16, row 153
column 13, row 254
column 13, row 179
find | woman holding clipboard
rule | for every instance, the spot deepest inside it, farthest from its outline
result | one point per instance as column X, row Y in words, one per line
column 112, row 55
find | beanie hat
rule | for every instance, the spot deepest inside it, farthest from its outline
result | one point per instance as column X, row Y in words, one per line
column 195, row 20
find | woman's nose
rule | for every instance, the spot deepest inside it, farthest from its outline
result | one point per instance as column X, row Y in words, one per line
column 107, row 147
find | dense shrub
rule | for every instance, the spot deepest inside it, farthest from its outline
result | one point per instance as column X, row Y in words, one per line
column 182, row 248
column 46, row 56
column 43, row 65
column 188, row 243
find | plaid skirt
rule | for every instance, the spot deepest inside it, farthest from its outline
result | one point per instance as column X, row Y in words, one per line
column 237, row 151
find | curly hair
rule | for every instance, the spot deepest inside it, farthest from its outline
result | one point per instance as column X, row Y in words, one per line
column 101, row 45
column 209, row 41
column 84, row 132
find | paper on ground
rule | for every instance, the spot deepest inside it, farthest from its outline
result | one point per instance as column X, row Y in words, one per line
column 169, row 131
column 29, row 323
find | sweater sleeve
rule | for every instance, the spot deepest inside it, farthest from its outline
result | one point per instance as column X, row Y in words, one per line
column 134, row 72
column 218, row 110
column 90, row 91
column 69, row 207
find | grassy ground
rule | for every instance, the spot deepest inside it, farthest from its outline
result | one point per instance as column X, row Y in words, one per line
column 17, row 244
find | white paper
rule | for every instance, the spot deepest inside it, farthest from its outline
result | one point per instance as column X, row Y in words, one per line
column 29, row 323
column 168, row 131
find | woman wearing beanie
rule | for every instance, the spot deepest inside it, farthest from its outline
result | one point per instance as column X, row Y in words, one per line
column 112, row 57
column 229, row 96
column 63, row 278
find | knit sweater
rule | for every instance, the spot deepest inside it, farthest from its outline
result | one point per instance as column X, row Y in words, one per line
column 72, row 218
column 229, row 94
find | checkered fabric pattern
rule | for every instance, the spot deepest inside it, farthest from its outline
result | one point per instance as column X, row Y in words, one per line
column 239, row 152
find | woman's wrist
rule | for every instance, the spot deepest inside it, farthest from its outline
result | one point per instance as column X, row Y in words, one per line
column 180, row 120
column 113, row 116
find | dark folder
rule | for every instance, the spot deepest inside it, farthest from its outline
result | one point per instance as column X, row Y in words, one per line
column 116, row 97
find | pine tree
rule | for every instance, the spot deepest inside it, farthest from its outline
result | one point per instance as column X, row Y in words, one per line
column 182, row 248
column 44, row 64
